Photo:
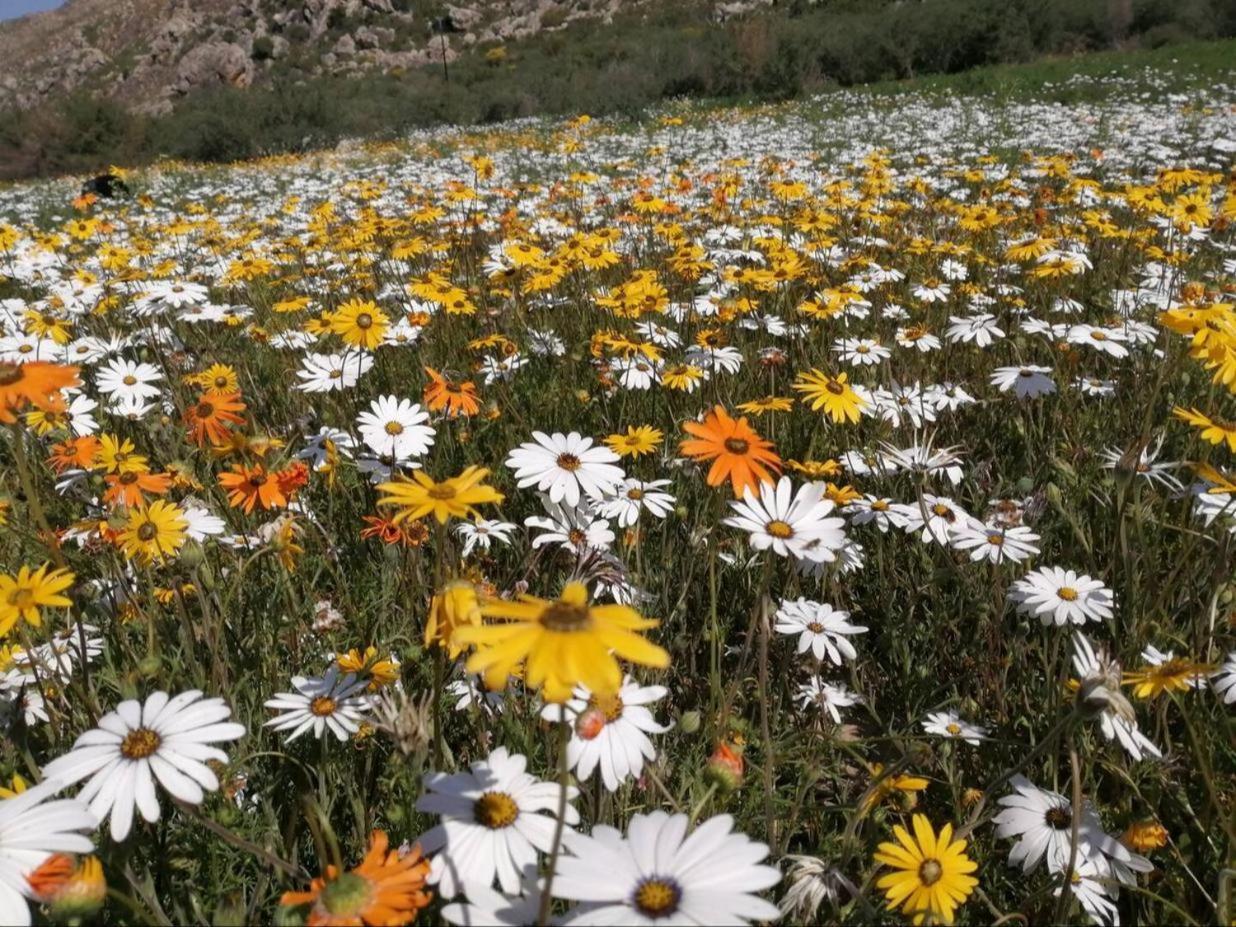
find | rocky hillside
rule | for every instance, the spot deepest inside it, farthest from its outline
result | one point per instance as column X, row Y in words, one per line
column 148, row 54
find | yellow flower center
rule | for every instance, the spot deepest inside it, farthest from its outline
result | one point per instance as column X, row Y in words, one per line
column 394, row 428
column 1068, row 593
column 21, row 598
column 953, row 728
column 495, row 810
column 140, row 743
column 130, row 380
column 779, row 529
column 656, row 898
column 930, row 872
column 635, row 494
column 568, row 462
column 322, row 706
column 815, row 627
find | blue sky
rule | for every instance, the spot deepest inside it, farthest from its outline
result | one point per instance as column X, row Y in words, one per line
column 11, row 8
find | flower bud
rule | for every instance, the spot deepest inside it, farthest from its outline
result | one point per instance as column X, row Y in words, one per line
column 726, row 767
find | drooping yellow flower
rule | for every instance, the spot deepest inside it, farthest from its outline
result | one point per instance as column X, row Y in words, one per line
column 1144, row 836
column 1173, row 674
column 456, row 497
column 1213, row 429
column 22, row 596
column 381, row 671
column 887, row 786
column 832, row 394
column 932, row 874
column 455, row 606
column 360, row 323
column 636, row 442
column 154, row 533
column 560, row 643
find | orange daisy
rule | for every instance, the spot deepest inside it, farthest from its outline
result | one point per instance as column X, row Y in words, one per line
column 128, row 488
column 76, row 453
column 455, row 398
column 211, row 418
column 736, row 451
column 385, row 890
column 36, row 383
column 250, row 486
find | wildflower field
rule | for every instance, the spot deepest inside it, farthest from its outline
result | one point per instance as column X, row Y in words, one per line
column 820, row 512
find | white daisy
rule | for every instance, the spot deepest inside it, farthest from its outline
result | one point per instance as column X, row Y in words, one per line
column 396, row 427
column 127, row 381
column 816, row 693
column 495, row 818
column 333, row 702
column 950, row 724
column 632, row 496
column 611, row 733
column 480, row 534
column 793, row 524
column 164, row 739
column 658, row 875
column 995, row 543
column 563, row 465
column 821, row 628
column 1027, row 382
column 1223, row 681
column 1059, row 596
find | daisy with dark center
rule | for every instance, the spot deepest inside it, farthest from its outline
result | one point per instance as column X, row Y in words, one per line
column 449, row 396
column 835, row 395
column 791, row 523
column 23, row 596
column 1165, row 672
column 211, row 418
column 387, row 889
column 558, row 644
column 153, row 533
column 931, row 876
column 163, row 739
column 635, row 442
column 494, row 819
column 737, row 452
column 250, row 487
column 659, row 874
column 456, row 497
column 360, row 323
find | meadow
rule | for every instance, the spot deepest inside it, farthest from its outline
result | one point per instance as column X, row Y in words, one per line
column 819, row 512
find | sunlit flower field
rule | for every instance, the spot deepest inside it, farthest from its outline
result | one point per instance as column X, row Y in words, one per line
column 820, row 512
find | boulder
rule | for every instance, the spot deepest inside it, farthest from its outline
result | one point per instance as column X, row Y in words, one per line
column 213, row 63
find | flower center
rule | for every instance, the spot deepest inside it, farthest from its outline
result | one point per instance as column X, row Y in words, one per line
column 322, row 706
column 835, row 388
column 995, row 540
column 565, row 618
column 205, row 409
column 129, row 478
column 736, row 445
column 942, row 511
column 568, row 462
column 815, row 627
column 220, row 382
column 495, row 810
column 147, row 531
column 1058, row 817
column 779, row 529
column 635, row 494
column 441, row 492
column 394, row 428
column 130, row 380
column 656, row 898
column 364, row 320
column 21, row 598
column 930, row 872
column 140, row 743
column 953, row 728
column 1068, row 593
column 346, row 896
column 880, row 505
